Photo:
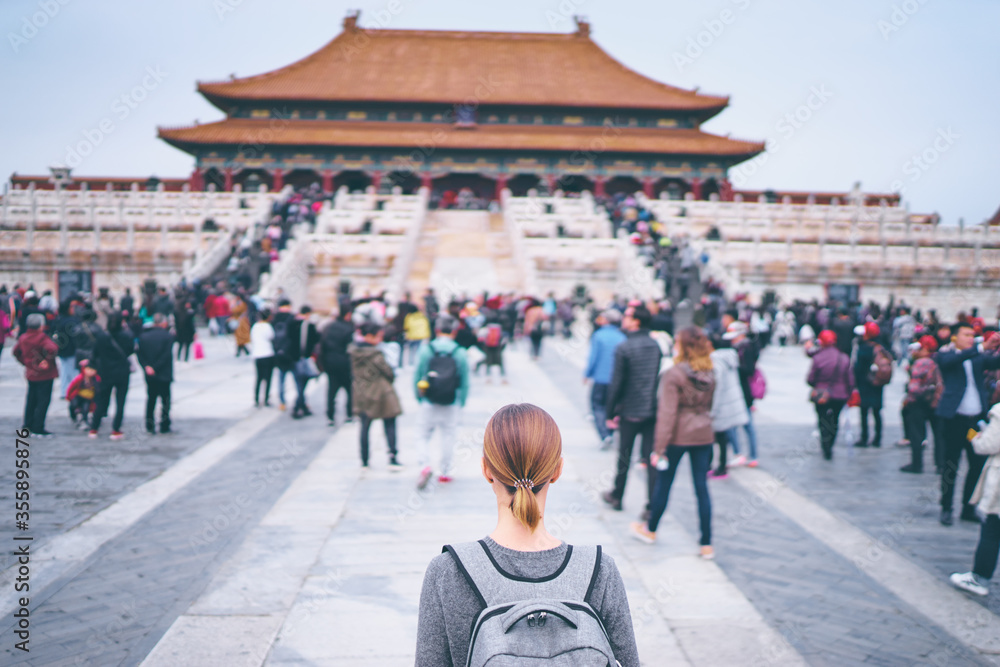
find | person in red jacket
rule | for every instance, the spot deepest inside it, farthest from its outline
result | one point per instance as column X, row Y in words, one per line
column 82, row 394
column 37, row 353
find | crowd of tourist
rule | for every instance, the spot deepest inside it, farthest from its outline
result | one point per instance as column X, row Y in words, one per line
column 689, row 392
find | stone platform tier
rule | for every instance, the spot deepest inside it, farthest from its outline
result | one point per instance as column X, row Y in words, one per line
column 123, row 237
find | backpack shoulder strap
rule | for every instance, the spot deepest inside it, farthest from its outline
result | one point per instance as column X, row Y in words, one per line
column 574, row 579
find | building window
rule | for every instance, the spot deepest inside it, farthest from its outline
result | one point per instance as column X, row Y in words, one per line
column 418, row 117
column 539, row 119
column 260, row 113
column 357, row 115
column 465, row 115
column 321, row 115
column 573, row 120
column 391, row 115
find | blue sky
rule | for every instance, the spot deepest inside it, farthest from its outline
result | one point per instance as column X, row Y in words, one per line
column 896, row 94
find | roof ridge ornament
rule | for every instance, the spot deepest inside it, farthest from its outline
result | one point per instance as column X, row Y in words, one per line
column 351, row 20
column 582, row 25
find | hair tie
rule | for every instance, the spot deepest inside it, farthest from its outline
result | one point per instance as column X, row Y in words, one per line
column 524, row 484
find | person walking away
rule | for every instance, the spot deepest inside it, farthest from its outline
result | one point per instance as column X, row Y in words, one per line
column 986, row 498
column 334, row 360
column 534, row 326
column 111, row 353
column 963, row 364
column 519, row 560
column 63, row 333
column 441, row 384
column 37, row 353
column 262, row 351
column 286, row 341
column 416, row 329
column 830, row 379
column 82, row 395
column 374, row 395
column 127, row 303
column 872, row 371
column 600, row 364
column 184, row 325
column 923, row 393
column 749, row 353
column 631, row 405
column 491, row 338
column 684, row 426
column 156, row 357
column 302, row 371
column 241, row 315
column 728, row 404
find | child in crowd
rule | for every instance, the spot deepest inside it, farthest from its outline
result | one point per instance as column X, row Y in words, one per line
column 82, row 394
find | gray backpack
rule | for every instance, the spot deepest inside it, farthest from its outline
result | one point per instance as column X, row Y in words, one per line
column 525, row 621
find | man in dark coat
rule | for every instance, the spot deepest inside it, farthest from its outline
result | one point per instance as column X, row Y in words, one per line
column 335, row 361
column 965, row 401
column 631, row 405
column 843, row 326
column 870, row 393
column 155, row 354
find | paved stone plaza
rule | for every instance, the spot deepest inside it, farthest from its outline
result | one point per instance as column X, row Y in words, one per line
column 251, row 539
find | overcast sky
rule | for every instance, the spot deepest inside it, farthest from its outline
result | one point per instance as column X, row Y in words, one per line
column 898, row 94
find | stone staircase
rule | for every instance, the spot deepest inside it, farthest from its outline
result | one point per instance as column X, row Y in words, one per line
column 463, row 253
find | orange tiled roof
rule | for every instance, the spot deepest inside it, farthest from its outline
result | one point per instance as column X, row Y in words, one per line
column 552, row 69
column 444, row 136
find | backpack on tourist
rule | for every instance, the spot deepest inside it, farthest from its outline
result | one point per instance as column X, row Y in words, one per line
column 494, row 334
column 758, row 385
column 881, row 372
column 282, row 342
column 533, row 621
column 442, row 378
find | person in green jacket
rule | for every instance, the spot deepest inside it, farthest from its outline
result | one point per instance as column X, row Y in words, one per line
column 441, row 384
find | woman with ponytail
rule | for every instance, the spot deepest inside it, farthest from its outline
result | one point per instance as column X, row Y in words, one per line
column 520, row 559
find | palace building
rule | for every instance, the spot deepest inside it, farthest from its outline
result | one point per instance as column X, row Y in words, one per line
column 448, row 109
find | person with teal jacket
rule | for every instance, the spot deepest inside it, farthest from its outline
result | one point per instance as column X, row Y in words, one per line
column 441, row 384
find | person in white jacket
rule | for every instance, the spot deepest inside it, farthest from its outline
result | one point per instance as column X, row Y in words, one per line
column 986, row 498
column 729, row 409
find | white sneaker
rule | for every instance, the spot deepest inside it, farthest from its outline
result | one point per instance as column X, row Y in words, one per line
column 969, row 581
column 739, row 461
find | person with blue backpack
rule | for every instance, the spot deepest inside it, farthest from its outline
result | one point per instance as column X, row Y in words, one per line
column 520, row 594
column 441, row 383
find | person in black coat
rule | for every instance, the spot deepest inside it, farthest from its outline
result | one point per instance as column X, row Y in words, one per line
column 336, row 362
column 155, row 354
column 64, row 333
column 631, row 403
column 961, row 406
column 184, row 325
column 111, row 353
column 870, row 393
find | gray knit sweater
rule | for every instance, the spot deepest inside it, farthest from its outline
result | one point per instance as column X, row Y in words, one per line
column 448, row 605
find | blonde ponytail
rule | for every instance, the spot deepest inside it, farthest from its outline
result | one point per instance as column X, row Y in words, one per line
column 522, row 447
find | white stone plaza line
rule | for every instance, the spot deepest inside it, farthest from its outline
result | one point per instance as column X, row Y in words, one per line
column 933, row 597
column 62, row 552
column 338, row 562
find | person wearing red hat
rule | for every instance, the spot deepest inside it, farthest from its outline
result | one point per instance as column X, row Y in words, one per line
column 923, row 393
column 830, row 380
column 869, row 354
column 966, row 399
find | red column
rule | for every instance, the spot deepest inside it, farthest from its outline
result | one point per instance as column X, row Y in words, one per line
column 599, row 186
column 551, row 179
column 376, row 179
column 725, row 190
column 501, row 184
column 328, row 181
column 648, row 184
column 279, row 179
column 197, row 180
column 228, row 185
column 426, row 181
column 696, row 188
